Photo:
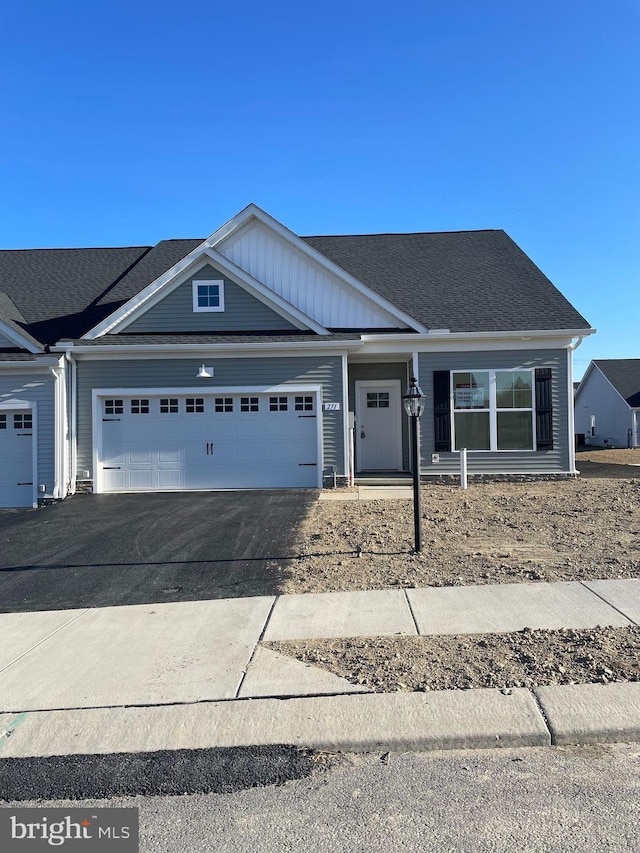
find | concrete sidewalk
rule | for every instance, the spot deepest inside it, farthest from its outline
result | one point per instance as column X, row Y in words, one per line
column 193, row 674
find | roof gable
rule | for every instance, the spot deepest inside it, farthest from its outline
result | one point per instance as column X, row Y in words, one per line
column 624, row 375
column 243, row 312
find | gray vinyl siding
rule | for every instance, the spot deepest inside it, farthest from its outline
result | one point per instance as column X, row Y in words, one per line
column 383, row 370
column 242, row 311
column 503, row 462
column 36, row 388
column 181, row 373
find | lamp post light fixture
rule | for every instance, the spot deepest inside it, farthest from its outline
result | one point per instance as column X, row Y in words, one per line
column 413, row 402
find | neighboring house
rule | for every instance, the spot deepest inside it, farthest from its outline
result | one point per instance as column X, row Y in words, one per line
column 607, row 403
column 241, row 361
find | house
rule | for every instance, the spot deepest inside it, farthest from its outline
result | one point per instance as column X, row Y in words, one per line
column 245, row 360
column 607, row 403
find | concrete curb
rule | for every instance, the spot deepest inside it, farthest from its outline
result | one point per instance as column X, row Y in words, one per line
column 592, row 713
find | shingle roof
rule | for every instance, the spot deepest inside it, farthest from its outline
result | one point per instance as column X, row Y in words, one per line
column 624, row 375
column 124, row 339
column 57, row 290
column 464, row 281
column 469, row 281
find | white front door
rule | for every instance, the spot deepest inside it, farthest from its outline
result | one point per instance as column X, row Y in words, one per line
column 16, row 458
column 378, row 426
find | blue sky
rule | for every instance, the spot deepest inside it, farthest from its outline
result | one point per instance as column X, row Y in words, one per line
column 123, row 123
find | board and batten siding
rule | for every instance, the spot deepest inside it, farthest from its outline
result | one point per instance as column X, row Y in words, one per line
column 242, row 311
column 363, row 372
column 505, row 461
column 181, row 373
column 36, row 388
column 302, row 281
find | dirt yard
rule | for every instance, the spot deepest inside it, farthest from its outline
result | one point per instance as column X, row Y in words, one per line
column 579, row 529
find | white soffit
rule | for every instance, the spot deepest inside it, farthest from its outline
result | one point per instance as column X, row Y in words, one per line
column 293, row 275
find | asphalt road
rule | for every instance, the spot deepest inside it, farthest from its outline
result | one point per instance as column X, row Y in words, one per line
column 106, row 550
column 545, row 800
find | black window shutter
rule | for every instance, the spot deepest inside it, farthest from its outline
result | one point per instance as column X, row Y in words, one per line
column 544, row 409
column 441, row 411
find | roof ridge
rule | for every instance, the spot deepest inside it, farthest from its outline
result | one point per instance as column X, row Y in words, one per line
column 407, row 233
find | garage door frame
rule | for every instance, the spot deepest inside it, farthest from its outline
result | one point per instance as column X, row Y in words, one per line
column 98, row 394
column 27, row 406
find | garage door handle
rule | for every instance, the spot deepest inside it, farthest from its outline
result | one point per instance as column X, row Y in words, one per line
column 111, row 467
column 24, row 484
column 306, row 416
column 24, row 433
column 111, row 419
column 308, row 464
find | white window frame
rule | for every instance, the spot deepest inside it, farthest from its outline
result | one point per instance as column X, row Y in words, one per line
column 493, row 408
column 219, row 282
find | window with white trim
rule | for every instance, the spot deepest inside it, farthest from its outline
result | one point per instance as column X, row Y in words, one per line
column 23, row 421
column 493, row 409
column 194, row 405
column 208, row 295
column 249, row 404
column 303, row 404
column 278, row 404
column 114, row 407
column 223, row 404
column 169, row 406
column 139, row 407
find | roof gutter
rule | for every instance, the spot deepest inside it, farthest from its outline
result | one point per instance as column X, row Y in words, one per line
column 189, row 349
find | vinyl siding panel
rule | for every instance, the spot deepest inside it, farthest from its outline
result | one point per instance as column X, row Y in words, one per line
column 383, row 370
column 613, row 416
column 503, row 462
column 36, row 388
column 181, row 373
column 242, row 311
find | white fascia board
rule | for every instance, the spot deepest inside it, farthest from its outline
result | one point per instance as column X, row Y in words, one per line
column 457, row 341
column 222, row 350
column 266, row 295
column 252, row 211
column 21, row 340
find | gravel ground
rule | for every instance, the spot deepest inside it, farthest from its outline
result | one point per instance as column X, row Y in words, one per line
column 580, row 529
column 527, row 658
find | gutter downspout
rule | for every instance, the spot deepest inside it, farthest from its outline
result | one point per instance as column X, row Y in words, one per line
column 73, row 429
column 571, row 407
column 59, row 419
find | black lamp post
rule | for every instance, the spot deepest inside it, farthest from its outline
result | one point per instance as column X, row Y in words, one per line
column 413, row 402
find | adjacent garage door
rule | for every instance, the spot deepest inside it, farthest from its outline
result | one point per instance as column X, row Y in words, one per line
column 16, row 458
column 212, row 441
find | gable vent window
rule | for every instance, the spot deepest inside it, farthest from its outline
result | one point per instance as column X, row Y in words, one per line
column 114, row 407
column 169, row 406
column 304, row 404
column 249, row 404
column 224, row 404
column 139, row 407
column 3, row 421
column 208, row 295
column 194, row 405
column 278, row 404
column 22, row 421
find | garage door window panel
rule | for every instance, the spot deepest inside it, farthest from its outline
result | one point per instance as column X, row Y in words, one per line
column 114, row 407
column 278, row 404
column 194, row 405
column 249, row 404
column 303, row 404
column 3, row 421
column 223, row 404
column 169, row 406
column 139, row 407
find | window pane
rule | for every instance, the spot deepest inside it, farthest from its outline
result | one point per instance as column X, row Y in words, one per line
column 513, row 389
column 472, row 430
column 471, row 390
column 515, row 431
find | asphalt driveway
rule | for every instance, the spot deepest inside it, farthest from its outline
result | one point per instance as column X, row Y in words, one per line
column 106, row 550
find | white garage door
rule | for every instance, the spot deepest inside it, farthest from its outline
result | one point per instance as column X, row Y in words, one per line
column 16, row 458
column 213, row 441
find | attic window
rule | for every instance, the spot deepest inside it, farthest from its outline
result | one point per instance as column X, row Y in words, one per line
column 208, row 295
